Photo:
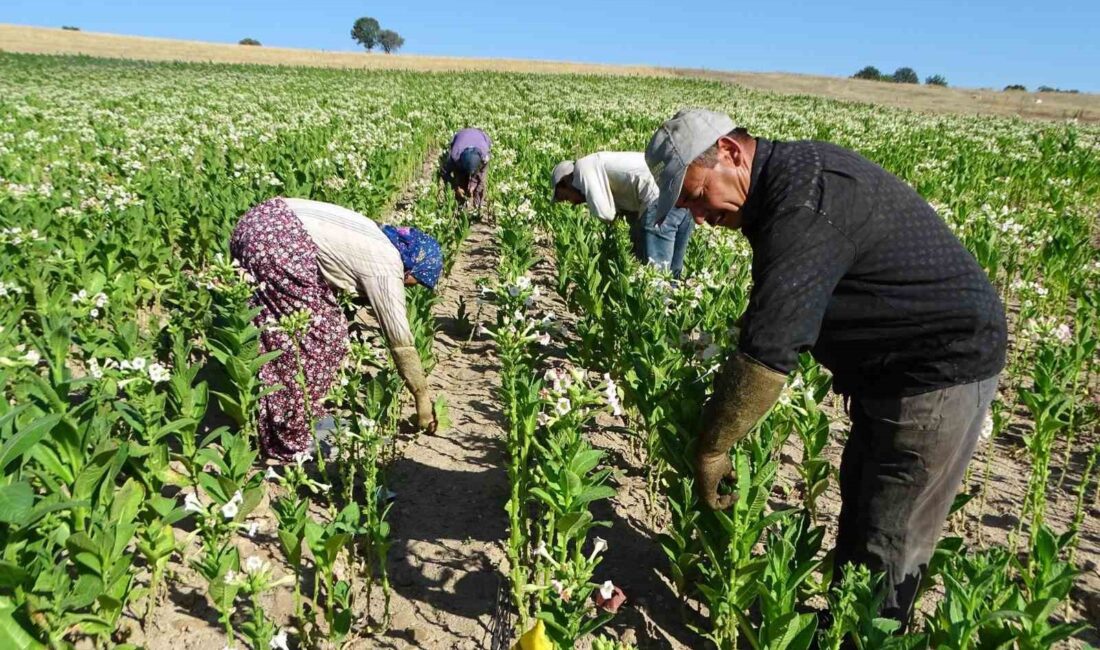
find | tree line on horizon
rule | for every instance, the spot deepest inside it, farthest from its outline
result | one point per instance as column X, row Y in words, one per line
column 903, row 75
column 368, row 32
column 907, row 75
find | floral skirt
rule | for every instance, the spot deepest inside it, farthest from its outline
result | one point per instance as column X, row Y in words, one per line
column 270, row 243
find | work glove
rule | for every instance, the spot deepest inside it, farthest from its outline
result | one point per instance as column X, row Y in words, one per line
column 425, row 413
column 744, row 392
column 407, row 360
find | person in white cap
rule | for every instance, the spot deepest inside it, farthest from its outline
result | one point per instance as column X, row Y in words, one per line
column 615, row 182
column 850, row 264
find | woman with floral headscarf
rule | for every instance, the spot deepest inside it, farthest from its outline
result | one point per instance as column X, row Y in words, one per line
column 300, row 252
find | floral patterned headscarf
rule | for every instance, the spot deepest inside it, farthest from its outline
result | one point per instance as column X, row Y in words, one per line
column 420, row 253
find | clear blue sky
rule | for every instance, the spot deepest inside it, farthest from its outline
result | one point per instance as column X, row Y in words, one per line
column 975, row 43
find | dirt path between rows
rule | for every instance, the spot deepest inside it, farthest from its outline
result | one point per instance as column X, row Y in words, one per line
column 448, row 523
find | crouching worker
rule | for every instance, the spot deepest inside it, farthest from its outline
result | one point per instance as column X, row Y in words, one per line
column 852, row 265
column 465, row 164
column 300, row 252
column 613, row 183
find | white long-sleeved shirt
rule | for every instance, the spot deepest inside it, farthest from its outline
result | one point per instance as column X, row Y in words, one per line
column 356, row 256
column 615, row 181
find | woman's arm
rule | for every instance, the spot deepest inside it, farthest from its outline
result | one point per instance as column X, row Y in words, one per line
column 387, row 296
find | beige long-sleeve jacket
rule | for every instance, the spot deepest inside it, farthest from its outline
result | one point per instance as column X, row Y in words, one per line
column 356, row 256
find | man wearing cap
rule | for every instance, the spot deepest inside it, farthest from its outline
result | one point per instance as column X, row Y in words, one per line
column 618, row 182
column 464, row 165
column 852, row 265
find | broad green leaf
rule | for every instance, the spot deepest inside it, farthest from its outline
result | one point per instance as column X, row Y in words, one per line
column 12, row 634
column 16, row 502
column 574, row 523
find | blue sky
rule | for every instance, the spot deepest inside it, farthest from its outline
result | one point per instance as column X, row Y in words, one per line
column 974, row 43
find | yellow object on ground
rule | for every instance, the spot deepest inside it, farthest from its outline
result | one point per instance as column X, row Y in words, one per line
column 534, row 639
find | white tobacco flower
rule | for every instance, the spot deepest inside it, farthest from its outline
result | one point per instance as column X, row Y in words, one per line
column 279, row 641
column 252, row 528
column 253, row 564
column 612, row 395
column 302, row 457
column 230, row 510
column 158, row 373
column 607, row 590
column 599, row 546
column 32, row 357
column 987, row 427
column 94, row 313
column 100, row 299
column 543, row 339
column 271, row 474
column 138, row 363
column 540, row 551
column 563, row 406
column 230, row 577
column 1063, row 333
column 559, row 588
column 191, row 503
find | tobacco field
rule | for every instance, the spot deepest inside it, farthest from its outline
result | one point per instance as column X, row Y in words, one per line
column 135, row 510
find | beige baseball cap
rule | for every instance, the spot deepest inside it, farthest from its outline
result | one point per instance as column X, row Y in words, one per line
column 676, row 144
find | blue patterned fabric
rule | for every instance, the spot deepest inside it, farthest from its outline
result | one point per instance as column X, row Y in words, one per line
column 420, row 253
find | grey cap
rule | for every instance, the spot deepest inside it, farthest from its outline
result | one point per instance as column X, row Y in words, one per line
column 676, row 144
column 561, row 170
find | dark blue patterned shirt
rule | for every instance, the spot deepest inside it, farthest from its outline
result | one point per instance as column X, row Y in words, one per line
column 853, row 265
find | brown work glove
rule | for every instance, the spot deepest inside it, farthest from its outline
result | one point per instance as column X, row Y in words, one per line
column 407, row 360
column 744, row 392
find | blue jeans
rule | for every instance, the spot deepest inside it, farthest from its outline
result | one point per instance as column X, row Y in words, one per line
column 665, row 244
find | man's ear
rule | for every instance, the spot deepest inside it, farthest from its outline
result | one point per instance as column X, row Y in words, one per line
column 730, row 151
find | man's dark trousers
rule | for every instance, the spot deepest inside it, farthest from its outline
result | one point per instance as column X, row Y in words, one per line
column 902, row 467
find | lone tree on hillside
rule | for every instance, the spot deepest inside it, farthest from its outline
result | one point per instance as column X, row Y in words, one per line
column 70, row 28
column 1016, row 87
column 906, row 76
column 366, row 31
column 869, row 72
column 248, row 41
column 936, row 80
column 390, row 40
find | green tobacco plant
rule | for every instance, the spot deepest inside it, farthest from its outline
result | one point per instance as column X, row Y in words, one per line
column 234, row 343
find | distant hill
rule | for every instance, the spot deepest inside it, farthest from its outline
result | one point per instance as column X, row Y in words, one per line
column 932, row 99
